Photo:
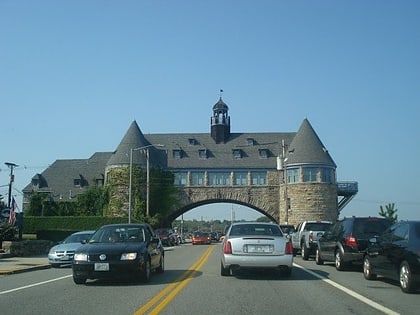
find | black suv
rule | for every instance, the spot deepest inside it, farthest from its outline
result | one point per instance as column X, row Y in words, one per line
column 347, row 239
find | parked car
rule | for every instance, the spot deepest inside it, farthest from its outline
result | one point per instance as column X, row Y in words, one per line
column 167, row 236
column 256, row 245
column 201, row 238
column 62, row 253
column 396, row 255
column 119, row 250
column 347, row 239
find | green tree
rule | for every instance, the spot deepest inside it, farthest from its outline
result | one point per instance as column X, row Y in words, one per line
column 389, row 212
column 263, row 219
column 93, row 202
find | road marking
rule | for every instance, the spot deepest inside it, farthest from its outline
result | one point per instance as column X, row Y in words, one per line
column 162, row 299
column 33, row 285
column 356, row 295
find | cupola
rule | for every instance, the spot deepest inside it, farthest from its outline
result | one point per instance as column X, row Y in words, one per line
column 220, row 122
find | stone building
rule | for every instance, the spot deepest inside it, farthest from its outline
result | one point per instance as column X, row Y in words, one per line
column 287, row 176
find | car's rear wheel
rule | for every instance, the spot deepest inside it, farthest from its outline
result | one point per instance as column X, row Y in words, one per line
column 79, row 280
column 224, row 271
column 339, row 262
column 161, row 267
column 367, row 269
column 304, row 251
column 318, row 259
column 406, row 280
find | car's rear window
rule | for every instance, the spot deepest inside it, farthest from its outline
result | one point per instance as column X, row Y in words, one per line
column 317, row 226
column 256, row 229
column 370, row 227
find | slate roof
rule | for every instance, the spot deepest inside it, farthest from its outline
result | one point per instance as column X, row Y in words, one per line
column 303, row 147
column 132, row 139
column 59, row 177
column 221, row 155
column 307, row 148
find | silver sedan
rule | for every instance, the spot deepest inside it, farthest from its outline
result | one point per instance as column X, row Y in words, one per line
column 63, row 253
column 256, row 245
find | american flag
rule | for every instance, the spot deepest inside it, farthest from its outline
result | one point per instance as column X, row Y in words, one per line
column 12, row 214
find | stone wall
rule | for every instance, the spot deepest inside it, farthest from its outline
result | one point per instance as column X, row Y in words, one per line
column 307, row 201
column 26, row 248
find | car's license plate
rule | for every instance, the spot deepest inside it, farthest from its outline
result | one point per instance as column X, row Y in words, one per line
column 259, row 248
column 101, row 267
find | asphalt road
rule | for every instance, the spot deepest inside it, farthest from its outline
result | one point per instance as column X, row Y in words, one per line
column 191, row 284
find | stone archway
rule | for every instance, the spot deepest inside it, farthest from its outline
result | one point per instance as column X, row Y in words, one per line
column 264, row 199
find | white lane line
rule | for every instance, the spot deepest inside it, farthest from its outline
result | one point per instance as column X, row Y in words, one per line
column 356, row 295
column 33, row 285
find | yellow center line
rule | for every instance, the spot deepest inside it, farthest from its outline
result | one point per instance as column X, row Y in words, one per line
column 171, row 290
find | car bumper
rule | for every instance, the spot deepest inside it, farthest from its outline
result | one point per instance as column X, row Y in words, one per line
column 351, row 257
column 116, row 269
column 53, row 259
column 243, row 261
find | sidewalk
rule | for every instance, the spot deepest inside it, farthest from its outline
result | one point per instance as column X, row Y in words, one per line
column 11, row 265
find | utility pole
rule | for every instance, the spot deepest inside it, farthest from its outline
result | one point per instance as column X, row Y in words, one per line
column 12, row 178
column 286, row 197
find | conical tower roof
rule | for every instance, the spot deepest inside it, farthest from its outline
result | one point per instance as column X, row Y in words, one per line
column 132, row 139
column 307, row 148
column 220, row 105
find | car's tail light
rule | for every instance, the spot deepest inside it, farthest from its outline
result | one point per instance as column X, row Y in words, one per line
column 227, row 248
column 289, row 248
column 351, row 241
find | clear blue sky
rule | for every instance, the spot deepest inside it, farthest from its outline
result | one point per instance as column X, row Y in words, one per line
column 75, row 74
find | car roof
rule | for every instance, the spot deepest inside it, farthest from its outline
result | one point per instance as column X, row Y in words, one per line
column 124, row 225
column 253, row 222
column 84, row 232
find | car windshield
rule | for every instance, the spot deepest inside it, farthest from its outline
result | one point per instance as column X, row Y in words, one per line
column 118, row 235
column 77, row 238
column 256, row 229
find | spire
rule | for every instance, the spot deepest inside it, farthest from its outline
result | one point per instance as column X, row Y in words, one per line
column 307, row 148
column 132, row 139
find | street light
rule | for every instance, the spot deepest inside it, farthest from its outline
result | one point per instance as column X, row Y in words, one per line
column 281, row 166
column 147, row 177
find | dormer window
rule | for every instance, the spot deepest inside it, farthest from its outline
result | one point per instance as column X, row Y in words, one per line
column 263, row 153
column 77, row 182
column 202, row 154
column 177, row 154
column 192, row 141
column 250, row 141
column 237, row 153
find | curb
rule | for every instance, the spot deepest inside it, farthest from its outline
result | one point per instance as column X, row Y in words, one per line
column 26, row 269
